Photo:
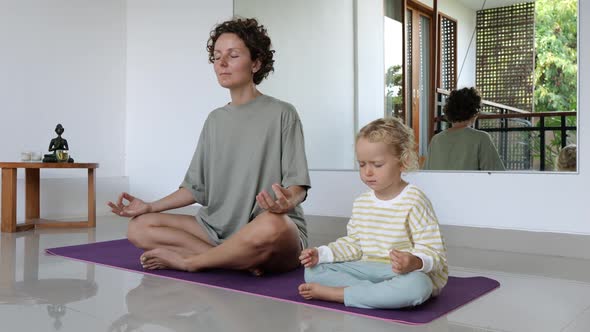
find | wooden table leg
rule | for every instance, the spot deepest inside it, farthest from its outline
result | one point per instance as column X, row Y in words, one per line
column 32, row 201
column 8, row 200
column 91, row 198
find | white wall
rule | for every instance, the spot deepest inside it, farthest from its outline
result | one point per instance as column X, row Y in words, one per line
column 370, row 63
column 63, row 61
column 171, row 88
column 314, row 70
column 535, row 202
column 429, row 3
column 466, row 48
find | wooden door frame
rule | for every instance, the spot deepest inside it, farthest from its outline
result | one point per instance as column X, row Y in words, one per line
column 432, row 13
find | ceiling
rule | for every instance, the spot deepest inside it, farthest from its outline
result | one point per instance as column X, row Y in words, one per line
column 477, row 4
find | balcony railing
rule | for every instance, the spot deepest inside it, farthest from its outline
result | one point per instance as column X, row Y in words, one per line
column 525, row 140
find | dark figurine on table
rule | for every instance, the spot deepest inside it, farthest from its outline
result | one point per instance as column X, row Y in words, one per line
column 59, row 148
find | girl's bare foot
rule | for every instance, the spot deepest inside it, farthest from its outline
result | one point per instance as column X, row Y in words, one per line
column 161, row 258
column 320, row 292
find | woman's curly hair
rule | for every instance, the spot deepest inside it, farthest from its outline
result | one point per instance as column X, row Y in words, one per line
column 462, row 105
column 397, row 136
column 254, row 37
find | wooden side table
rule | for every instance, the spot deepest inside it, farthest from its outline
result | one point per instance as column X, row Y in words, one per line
column 32, row 196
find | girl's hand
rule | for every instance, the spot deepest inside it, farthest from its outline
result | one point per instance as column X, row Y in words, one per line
column 403, row 262
column 309, row 257
column 281, row 205
column 134, row 208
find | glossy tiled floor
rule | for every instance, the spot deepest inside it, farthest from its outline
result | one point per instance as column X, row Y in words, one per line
column 46, row 293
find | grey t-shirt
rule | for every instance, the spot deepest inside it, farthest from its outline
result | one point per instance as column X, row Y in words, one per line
column 243, row 150
column 463, row 149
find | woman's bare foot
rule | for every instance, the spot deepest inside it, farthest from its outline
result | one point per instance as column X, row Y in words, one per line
column 161, row 258
column 314, row 291
column 257, row 272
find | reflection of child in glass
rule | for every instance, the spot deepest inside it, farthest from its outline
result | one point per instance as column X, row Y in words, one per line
column 566, row 161
column 393, row 255
column 462, row 147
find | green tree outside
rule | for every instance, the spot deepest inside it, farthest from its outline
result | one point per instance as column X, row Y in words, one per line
column 393, row 89
column 556, row 67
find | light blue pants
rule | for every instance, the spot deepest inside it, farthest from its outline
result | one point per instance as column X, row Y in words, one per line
column 372, row 285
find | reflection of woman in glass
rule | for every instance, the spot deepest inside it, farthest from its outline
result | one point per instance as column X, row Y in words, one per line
column 462, row 147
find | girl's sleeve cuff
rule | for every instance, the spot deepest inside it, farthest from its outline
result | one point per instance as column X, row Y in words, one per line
column 325, row 255
column 427, row 262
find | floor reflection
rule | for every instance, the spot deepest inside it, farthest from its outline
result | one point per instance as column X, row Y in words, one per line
column 164, row 303
column 55, row 293
column 177, row 306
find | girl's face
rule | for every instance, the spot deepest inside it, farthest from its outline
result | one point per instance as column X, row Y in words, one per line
column 379, row 168
column 232, row 62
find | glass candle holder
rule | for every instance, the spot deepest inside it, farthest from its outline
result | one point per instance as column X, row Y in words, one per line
column 62, row 155
column 36, row 156
column 25, row 156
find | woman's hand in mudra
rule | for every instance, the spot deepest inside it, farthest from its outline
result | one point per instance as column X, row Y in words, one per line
column 135, row 207
column 282, row 204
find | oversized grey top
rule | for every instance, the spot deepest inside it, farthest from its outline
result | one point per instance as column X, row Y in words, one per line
column 463, row 149
column 243, row 150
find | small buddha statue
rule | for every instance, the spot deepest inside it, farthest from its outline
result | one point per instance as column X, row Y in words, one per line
column 58, row 145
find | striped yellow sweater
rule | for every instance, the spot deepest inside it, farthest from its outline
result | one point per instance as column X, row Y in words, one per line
column 406, row 223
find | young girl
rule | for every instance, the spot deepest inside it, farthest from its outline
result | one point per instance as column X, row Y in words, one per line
column 393, row 255
column 566, row 160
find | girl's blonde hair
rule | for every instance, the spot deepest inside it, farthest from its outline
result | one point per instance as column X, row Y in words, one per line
column 397, row 136
column 566, row 161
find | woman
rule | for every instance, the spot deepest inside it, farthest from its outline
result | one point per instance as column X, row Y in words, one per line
column 462, row 147
column 248, row 147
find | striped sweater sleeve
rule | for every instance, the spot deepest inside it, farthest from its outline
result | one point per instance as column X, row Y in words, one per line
column 426, row 236
column 347, row 248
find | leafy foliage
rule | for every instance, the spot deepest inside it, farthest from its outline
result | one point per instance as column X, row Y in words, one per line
column 556, row 65
column 393, row 88
column 556, row 69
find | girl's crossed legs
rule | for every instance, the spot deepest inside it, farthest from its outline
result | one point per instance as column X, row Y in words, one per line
column 366, row 285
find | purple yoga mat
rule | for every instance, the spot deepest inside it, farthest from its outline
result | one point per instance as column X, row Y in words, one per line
column 123, row 255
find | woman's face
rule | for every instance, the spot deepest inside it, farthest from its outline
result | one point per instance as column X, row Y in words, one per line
column 233, row 65
column 232, row 62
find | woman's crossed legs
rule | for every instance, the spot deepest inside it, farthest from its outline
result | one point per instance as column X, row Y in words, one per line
column 269, row 243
